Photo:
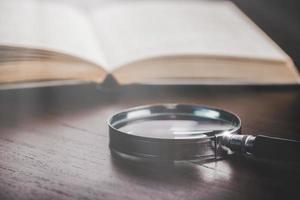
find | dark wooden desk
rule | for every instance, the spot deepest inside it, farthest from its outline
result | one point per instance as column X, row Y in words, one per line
column 54, row 145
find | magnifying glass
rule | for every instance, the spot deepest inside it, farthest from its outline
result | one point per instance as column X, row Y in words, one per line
column 181, row 132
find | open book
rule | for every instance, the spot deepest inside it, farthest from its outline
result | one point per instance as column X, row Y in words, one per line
column 148, row 42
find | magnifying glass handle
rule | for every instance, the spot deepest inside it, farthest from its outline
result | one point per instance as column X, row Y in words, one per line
column 262, row 146
column 276, row 148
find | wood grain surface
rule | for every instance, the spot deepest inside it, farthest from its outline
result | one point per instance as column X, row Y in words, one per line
column 54, row 145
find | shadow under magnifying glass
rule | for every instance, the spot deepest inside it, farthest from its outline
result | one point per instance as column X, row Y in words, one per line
column 166, row 171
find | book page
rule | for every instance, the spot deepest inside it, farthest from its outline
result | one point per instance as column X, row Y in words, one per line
column 131, row 31
column 49, row 26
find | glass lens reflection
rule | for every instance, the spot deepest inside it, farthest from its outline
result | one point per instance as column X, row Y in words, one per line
column 176, row 128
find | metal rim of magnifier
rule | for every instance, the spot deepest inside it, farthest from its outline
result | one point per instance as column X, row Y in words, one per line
column 141, row 148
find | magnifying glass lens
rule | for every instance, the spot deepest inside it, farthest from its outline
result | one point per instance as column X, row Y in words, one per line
column 173, row 128
column 170, row 132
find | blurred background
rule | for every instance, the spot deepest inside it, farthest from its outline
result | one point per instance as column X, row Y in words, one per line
column 280, row 19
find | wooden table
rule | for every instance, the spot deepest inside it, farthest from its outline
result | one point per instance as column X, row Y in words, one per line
column 54, row 145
